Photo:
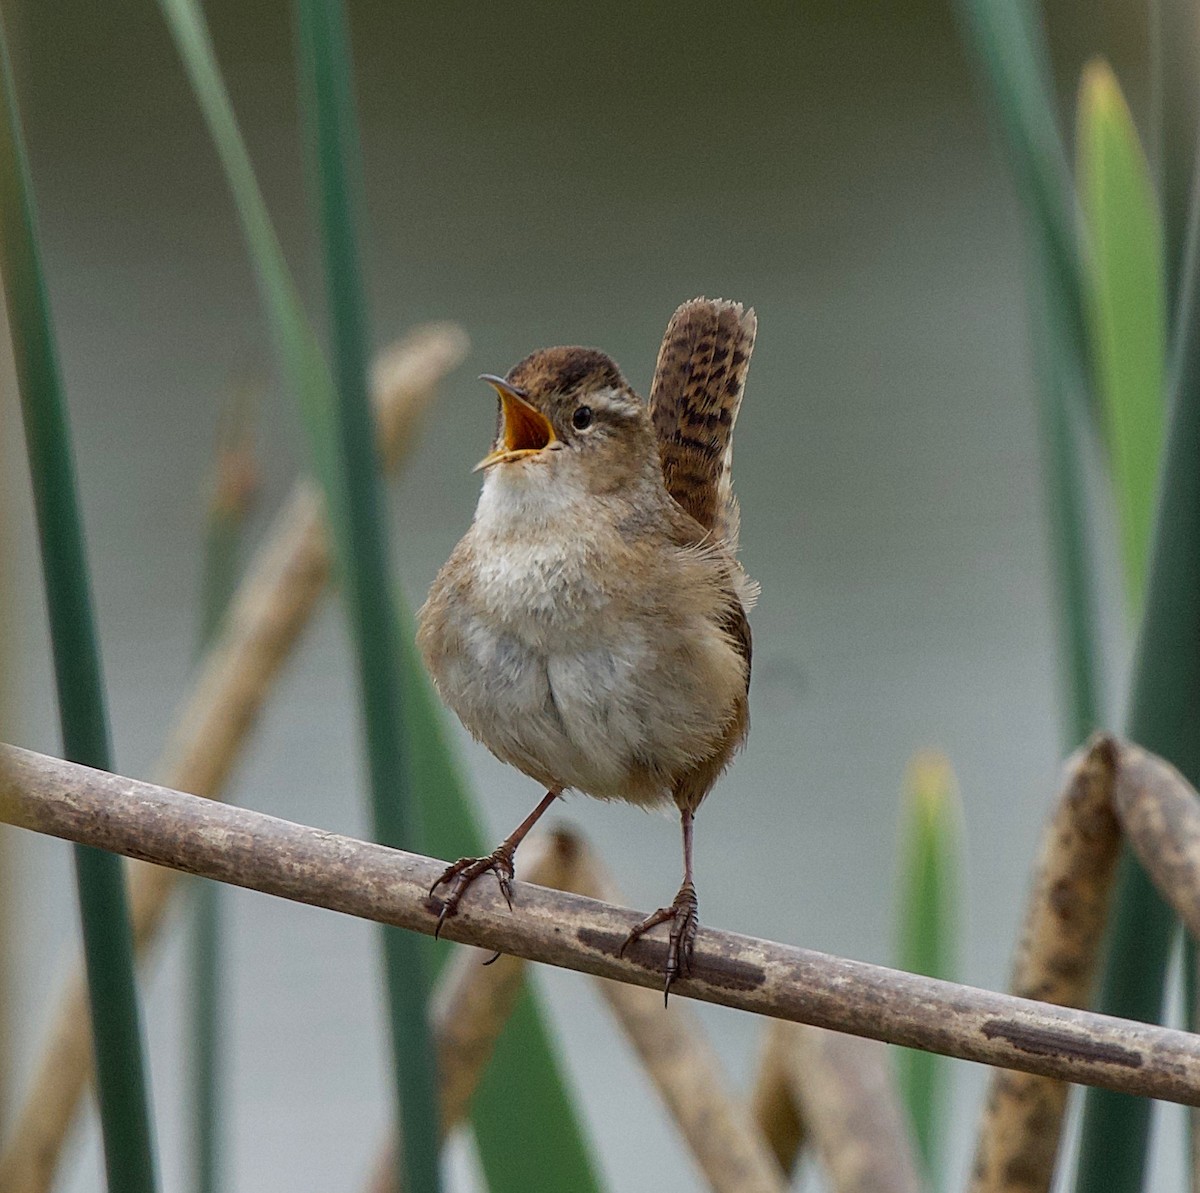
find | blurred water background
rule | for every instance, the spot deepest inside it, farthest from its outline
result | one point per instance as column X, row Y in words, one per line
column 547, row 174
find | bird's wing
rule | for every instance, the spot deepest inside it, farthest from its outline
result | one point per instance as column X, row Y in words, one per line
column 738, row 591
column 694, row 400
column 737, row 626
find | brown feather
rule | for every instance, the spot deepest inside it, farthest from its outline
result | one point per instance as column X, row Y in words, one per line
column 740, row 593
column 694, row 400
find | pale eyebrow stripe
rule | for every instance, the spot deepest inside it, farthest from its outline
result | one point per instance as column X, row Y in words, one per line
column 616, row 404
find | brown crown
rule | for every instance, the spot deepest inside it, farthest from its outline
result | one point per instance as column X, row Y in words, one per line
column 566, row 371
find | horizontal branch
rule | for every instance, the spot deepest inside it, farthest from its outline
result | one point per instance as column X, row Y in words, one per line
column 307, row 865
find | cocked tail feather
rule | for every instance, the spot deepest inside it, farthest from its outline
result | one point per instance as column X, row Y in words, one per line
column 694, row 400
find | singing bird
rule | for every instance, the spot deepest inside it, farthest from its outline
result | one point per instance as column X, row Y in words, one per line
column 590, row 627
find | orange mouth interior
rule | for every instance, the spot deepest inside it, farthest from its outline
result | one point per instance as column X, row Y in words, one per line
column 525, row 429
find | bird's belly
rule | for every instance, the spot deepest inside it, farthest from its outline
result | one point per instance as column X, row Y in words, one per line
column 594, row 715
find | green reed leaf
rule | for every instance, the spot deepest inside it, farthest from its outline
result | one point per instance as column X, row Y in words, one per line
column 1127, row 310
column 107, row 940
column 929, row 897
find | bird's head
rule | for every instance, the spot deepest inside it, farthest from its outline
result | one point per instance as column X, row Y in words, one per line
column 567, row 414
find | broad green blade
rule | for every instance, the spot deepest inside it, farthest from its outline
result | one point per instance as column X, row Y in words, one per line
column 107, row 941
column 1127, row 310
column 930, row 892
column 533, row 1160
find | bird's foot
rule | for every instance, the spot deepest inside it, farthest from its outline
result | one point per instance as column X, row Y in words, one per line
column 683, row 915
column 463, row 873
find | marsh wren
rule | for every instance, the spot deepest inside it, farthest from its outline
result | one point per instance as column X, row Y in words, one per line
column 590, row 627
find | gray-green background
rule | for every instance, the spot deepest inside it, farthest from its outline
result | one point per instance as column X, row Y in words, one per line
column 552, row 173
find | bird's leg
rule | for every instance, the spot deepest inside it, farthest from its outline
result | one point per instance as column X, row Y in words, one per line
column 500, row 862
column 683, row 915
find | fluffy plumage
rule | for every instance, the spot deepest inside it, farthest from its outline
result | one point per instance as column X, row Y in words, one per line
column 590, row 627
column 586, row 628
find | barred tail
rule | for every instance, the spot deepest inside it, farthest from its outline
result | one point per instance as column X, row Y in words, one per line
column 694, row 402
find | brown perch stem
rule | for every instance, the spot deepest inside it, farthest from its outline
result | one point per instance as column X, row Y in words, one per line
column 308, row 865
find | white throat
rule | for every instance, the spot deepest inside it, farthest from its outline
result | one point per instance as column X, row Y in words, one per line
column 527, row 496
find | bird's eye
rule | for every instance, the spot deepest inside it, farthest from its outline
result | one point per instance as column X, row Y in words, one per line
column 582, row 418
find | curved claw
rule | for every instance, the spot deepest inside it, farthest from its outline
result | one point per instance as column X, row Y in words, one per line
column 464, row 872
column 684, row 920
column 505, row 885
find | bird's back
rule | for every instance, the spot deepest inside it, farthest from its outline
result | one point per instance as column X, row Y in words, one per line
column 694, row 401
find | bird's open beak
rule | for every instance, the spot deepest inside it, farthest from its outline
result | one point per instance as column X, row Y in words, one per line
column 526, row 429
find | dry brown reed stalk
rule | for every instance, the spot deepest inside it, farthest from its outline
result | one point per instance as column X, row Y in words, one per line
column 837, row 1092
column 1160, row 817
column 266, row 616
column 7, row 892
column 719, row 1131
column 846, row 1095
column 308, row 865
column 1111, row 787
column 772, row 1101
column 1055, row 962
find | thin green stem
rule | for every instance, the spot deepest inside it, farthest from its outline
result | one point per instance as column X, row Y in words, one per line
column 207, row 1037
column 1009, row 51
column 222, row 541
column 107, row 940
column 1062, row 472
column 1012, row 61
column 324, row 54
